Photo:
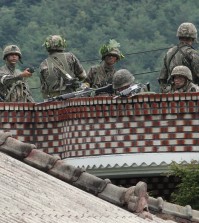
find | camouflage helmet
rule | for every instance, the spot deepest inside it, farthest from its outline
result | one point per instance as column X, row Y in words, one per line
column 11, row 49
column 55, row 42
column 122, row 78
column 187, row 30
column 111, row 48
column 182, row 71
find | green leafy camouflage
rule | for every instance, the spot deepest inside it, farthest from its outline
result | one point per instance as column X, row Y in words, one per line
column 111, row 46
column 55, row 42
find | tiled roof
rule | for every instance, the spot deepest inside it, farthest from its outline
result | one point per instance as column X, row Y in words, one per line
column 30, row 195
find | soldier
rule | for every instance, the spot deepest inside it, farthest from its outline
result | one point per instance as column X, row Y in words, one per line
column 102, row 74
column 13, row 84
column 61, row 72
column 123, row 79
column 182, row 80
column 182, row 54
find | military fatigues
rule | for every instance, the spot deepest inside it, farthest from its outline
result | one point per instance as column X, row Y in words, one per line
column 100, row 75
column 53, row 80
column 189, row 87
column 13, row 87
column 181, row 54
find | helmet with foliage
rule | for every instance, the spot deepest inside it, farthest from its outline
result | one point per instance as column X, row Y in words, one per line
column 55, row 42
column 187, row 30
column 111, row 48
column 122, row 78
column 11, row 49
column 182, row 71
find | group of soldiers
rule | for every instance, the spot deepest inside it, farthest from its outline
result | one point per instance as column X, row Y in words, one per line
column 61, row 72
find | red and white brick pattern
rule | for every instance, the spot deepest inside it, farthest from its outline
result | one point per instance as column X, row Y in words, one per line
column 102, row 125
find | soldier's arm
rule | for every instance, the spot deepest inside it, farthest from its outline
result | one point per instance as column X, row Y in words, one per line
column 7, row 78
column 78, row 68
column 195, row 67
column 163, row 76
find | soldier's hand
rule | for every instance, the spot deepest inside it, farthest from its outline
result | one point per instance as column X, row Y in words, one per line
column 76, row 83
column 26, row 73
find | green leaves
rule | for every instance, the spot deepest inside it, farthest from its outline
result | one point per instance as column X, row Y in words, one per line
column 187, row 192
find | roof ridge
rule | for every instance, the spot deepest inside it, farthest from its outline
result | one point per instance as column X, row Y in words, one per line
column 134, row 199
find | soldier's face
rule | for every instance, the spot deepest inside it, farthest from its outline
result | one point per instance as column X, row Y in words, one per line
column 110, row 59
column 179, row 81
column 13, row 58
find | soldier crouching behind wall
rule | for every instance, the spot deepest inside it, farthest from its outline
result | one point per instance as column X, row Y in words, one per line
column 12, row 81
column 123, row 80
column 181, row 77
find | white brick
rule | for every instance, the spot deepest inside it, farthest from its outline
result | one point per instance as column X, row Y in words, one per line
column 195, row 135
column 163, row 135
column 163, row 123
column 119, row 150
column 50, row 137
column 148, row 136
column 162, row 149
column 171, row 117
column 127, row 144
column 140, row 143
column 119, row 125
column 195, row 148
column 188, row 116
column 156, row 142
column 148, row 123
column 155, row 130
column 148, row 149
column 140, row 130
column 172, row 129
column 188, row 128
column 179, row 135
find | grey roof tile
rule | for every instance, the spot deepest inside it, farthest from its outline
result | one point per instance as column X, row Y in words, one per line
column 30, row 195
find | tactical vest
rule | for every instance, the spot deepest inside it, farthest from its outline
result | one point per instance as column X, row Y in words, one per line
column 100, row 77
column 55, row 73
column 178, row 55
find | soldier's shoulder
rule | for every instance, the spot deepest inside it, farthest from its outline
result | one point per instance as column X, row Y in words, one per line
column 94, row 68
column 43, row 63
column 70, row 55
column 4, row 69
column 171, row 50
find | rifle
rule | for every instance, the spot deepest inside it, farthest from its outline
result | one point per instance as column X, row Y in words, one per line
column 83, row 93
column 133, row 90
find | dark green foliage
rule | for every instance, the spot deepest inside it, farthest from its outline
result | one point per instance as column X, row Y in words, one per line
column 142, row 25
column 187, row 192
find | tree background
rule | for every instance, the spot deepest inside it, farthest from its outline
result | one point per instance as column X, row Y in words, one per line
column 144, row 28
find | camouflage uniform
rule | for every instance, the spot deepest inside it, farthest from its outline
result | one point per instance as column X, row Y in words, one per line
column 55, row 69
column 182, row 54
column 185, row 72
column 102, row 75
column 13, row 87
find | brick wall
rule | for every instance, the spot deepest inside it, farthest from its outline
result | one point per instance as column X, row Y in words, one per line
column 102, row 125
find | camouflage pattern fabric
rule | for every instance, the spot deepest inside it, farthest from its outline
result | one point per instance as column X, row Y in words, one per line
column 13, row 87
column 100, row 75
column 182, row 54
column 189, row 87
column 53, row 81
